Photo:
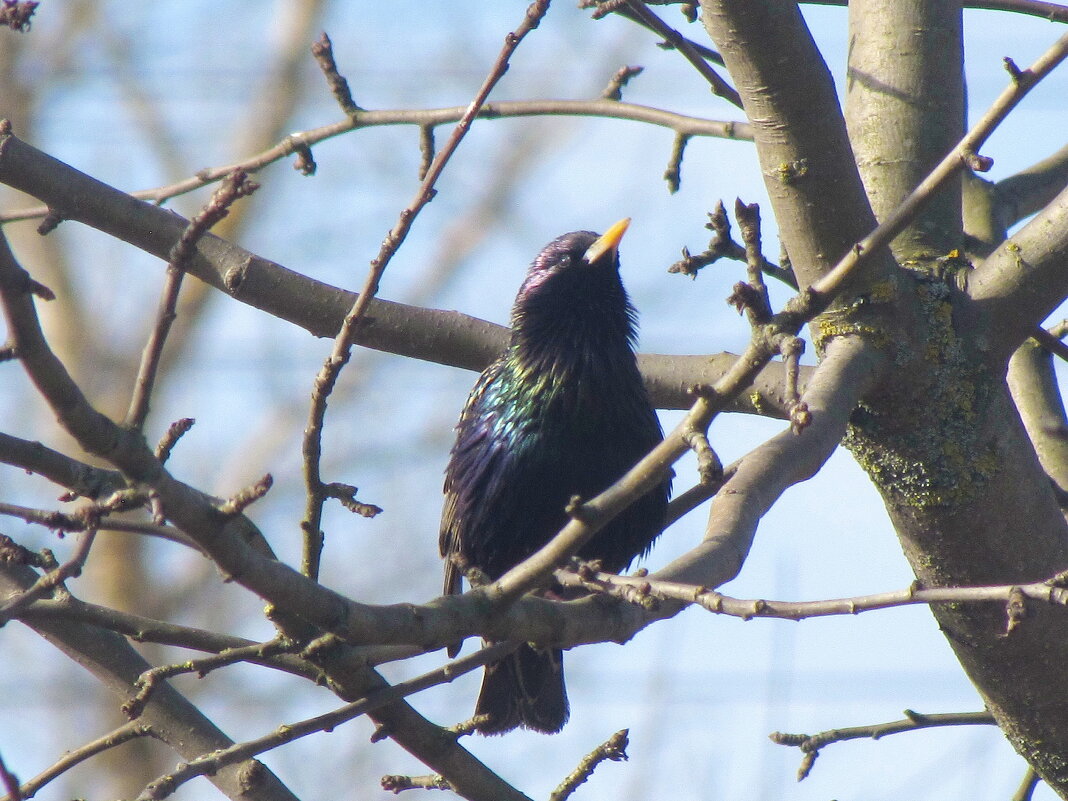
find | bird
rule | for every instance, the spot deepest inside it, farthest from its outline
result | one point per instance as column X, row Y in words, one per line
column 562, row 412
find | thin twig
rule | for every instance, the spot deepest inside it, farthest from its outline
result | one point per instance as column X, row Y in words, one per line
column 719, row 86
column 791, row 348
column 52, row 579
column 236, row 185
column 209, row 763
column 811, row 744
column 723, row 246
column 124, row 733
column 177, row 430
column 247, row 496
column 953, row 162
column 148, row 681
column 748, row 217
column 614, row 749
column 340, row 354
column 673, row 173
column 295, row 143
column 1028, row 783
column 395, row 784
column 603, row 8
column 60, row 521
column 323, row 52
column 614, row 89
column 1051, row 591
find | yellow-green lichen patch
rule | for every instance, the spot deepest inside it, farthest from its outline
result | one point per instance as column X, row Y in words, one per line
column 920, row 440
column 830, row 325
column 789, row 172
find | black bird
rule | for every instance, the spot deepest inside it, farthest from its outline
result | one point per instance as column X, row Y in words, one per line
column 562, row 412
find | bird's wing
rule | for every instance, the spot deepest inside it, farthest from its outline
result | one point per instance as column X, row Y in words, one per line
column 471, row 465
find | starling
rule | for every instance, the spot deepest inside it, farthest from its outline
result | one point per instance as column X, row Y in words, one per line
column 562, row 412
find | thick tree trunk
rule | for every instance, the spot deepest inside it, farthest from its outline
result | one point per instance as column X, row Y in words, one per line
column 940, row 437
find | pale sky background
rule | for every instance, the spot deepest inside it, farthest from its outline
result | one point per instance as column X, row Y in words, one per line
column 699, row 693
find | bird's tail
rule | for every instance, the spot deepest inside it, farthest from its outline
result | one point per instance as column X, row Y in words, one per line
column 526, row 689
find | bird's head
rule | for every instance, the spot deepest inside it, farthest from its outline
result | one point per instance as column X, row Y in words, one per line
column 573, row 288
column 574, row 261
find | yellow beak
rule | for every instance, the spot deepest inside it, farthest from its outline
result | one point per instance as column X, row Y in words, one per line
column 608, row 241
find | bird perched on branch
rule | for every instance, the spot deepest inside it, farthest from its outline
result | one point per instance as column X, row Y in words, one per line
column 562, row 412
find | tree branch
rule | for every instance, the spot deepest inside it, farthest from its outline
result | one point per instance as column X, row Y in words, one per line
column 78, row 477
column 1038, row 398
column 810, row 745
column 209, row 764
column 1054, row 12
column 445, row 337
column 345, row 339
column 1030, row 190
column 302, row 141
column 169, row 714
column 112, row 739
column 237, row 547
column 1024, row 279
column 649, row 591
column 804, row 150
column 226, row 538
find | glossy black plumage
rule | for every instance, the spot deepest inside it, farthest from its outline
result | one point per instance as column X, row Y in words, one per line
column 562, row 412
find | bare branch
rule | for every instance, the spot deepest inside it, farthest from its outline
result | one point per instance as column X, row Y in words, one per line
column 343, row 342
column 323, row 51
column 170, row 716
column 637, row 10
column 1030, row 190
column 59, row 521
column 1023, row 280
column 122, row 734
column 80, row 478
column 647, row 591
column 50, row 580
column 236, row 185
column 811, row 744
column 613, row 749
column 150, row 680
column 209, row 764
column 302, row 141
column 1054, row 12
